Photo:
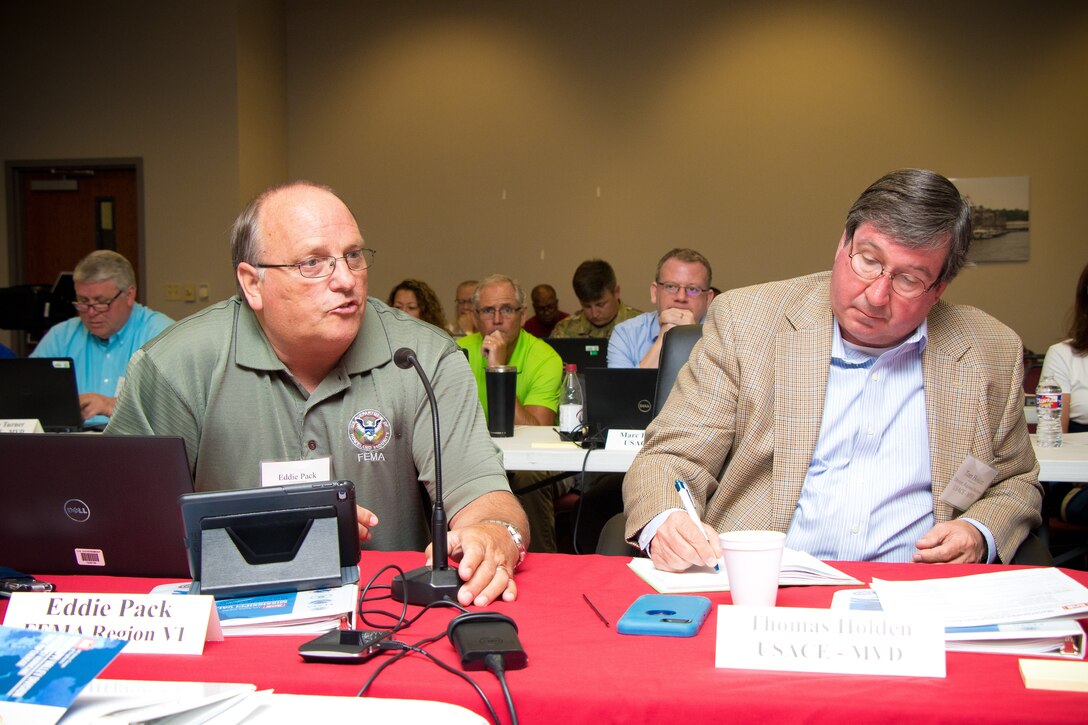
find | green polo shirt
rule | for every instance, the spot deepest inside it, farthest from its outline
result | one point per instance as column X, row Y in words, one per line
column 540, row 369
column 214, row 380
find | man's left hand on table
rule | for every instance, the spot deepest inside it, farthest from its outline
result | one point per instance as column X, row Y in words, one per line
column 951, row 542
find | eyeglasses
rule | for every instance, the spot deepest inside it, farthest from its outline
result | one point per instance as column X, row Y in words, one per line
column 314, row 267
column 870, row 269
column 690, row 290
column 97, row 306
column 506, row 311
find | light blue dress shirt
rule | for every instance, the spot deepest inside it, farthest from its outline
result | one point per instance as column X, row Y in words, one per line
column 868, row 494
column 100, row 364
column 632, row 339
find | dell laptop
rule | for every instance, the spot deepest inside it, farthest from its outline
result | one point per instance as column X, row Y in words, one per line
column 41, row 388
column 86, row 503
column 619, row 398
column 585, row 352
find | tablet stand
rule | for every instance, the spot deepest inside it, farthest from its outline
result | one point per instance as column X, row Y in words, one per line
column 261, row 553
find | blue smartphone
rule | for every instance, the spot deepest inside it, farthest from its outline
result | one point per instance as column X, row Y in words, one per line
column 665, row 615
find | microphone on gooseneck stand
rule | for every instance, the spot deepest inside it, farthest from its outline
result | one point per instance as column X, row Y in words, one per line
column 427, row 585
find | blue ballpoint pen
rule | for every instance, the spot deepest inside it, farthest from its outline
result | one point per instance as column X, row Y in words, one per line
column 689, row 506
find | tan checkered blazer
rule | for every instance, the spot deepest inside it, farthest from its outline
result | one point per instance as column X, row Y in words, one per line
column 742, row 421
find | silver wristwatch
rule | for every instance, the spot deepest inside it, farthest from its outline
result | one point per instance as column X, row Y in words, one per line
column 519, row 540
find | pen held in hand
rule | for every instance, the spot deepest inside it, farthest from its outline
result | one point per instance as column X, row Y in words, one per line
column 689, row 506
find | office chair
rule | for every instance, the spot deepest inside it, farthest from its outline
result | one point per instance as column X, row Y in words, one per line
column 675, row 351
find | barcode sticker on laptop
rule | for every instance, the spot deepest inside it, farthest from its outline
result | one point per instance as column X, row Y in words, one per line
column 90, row 557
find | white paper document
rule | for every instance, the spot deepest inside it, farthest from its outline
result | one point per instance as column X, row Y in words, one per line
column 798, row 569
column 1019, row 595
column 1061, row 637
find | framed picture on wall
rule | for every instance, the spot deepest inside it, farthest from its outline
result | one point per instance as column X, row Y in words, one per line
column 999, row 216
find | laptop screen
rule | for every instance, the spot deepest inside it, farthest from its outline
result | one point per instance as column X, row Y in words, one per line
column 619, row 398
column 86, row 503
column 585, row 352
column 42, row 388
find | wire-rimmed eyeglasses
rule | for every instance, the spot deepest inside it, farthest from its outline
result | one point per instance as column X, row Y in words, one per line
column 506, row 311
column 689, row 290
column 869, row 269
column 314, row 267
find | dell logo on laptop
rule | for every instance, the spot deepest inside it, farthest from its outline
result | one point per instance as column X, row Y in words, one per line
column 76, row 510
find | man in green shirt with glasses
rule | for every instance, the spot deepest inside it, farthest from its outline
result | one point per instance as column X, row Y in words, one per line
column 499, row 305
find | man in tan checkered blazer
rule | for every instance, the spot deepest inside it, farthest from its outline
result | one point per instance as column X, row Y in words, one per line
column 764, row 441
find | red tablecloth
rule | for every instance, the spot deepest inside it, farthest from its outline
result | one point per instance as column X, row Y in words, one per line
column 581, row 671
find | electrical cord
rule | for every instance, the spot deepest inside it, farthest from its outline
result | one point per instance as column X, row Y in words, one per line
column 403, row 649
column 495, row 666
column 407, row 649
column 400, row 621
column 581, row 498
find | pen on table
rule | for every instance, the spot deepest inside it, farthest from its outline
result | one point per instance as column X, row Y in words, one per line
column 596, row 611
column 689, row 506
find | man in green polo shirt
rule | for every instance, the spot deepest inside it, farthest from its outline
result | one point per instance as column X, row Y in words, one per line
column 299, row 368
column 499, row 305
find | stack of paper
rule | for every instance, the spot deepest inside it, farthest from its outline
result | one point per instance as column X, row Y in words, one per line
column 1021, row 611
column 313, row 611
column 127, row 702
column 798, row 569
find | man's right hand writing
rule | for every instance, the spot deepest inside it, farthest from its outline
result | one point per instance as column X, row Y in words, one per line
column 679, row 544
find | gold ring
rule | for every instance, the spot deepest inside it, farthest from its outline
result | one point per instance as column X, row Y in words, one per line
column 500, row 566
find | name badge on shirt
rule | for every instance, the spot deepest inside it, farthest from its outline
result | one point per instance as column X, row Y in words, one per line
column 280, row 473
column 970, row 482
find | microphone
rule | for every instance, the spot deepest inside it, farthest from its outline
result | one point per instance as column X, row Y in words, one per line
column 438, row 582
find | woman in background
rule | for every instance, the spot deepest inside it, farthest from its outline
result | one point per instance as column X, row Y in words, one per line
column 417, row 299
column 1067, row 363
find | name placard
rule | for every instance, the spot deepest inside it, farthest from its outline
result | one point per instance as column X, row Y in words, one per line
column 279, row 473
column 21, row 425
column 150, row 623
column 789, row 639
column 621, row 440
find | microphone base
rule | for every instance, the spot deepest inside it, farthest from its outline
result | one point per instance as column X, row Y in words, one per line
column 425, row 586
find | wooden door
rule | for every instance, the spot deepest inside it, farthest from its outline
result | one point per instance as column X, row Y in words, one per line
column 66, row 213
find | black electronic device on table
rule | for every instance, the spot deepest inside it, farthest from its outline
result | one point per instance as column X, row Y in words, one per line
column 255, row 541
column 41, row 388
column 84, row 503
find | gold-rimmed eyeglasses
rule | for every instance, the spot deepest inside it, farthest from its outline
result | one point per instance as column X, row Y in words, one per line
column 870, row 269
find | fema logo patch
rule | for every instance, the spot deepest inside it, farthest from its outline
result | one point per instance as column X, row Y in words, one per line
column 369, row 430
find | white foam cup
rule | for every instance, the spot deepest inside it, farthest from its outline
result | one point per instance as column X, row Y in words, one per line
column 753, row 560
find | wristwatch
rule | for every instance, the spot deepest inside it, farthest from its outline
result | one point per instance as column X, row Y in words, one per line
column 519, row 540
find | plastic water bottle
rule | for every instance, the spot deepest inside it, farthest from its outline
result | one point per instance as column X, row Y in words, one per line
column 571, row 401
column 1048, row 404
